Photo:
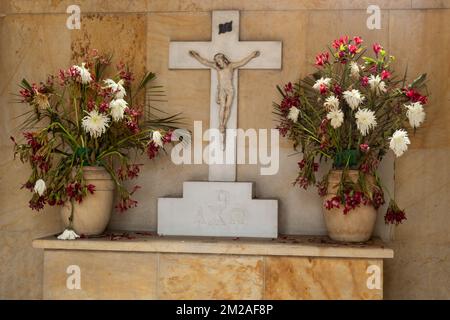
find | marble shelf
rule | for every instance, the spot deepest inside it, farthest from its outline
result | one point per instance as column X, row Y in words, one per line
column 289, row 245
column 143, row 265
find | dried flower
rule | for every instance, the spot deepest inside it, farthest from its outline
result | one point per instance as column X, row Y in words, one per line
column 415, row 114
column 336, row 117
column 331, row 103
column 68, row 234
column 95, row 123
column 40, row 187
column 83, row 72
column 117, row 109
column 293, row 114
column 399, row 142
column 365, row 120
column 353, row 98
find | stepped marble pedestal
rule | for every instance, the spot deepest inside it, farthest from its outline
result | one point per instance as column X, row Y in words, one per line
column 221, row 209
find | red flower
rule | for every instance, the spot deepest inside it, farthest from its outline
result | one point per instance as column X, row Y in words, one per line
column 322, row 59
column 377, row 48
column 90, row 105
column 103, row 107
column 415, row 96
column 365, row 81
column 377, row 198
column 32, row 141
column 323, row 89
column 341, row 41
column 322, row 188
column 288, row 102
column 394, row 215
column 288, row 87
column 283, row 130
column 90, row 188
column 337, row 89
column 37, row 203
column 333, row 203
column 358, row 40
column 352, row 48
column 301, row 164
column 167, row 137
column 385, row 74
column 152, row 150
column 364, row 147
column 302, row 182
column 126, row 204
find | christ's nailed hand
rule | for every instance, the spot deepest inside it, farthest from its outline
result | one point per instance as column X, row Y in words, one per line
column 256, row 54
column 192, row 53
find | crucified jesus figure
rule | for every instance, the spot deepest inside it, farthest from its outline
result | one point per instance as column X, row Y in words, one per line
column 225, row 90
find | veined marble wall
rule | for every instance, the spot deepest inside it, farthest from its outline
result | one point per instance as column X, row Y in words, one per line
column 34, row 40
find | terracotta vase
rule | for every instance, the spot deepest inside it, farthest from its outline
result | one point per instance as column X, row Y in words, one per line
column 355, row 226
column 92, row 215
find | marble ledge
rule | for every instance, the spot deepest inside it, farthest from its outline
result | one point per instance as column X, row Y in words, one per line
column 300, row 246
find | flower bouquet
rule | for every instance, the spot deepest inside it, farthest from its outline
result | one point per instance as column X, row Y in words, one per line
column 83, row 132
column 351, row 112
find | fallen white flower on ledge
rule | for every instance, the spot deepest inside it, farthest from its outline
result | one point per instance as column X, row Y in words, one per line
column 68, row 235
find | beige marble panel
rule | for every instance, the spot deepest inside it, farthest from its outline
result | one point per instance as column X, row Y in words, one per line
column 420, row 270
column 306, row 278
column 430, row 4
column 187, row 90
column 206, row 5
column 32, row 47
column 60, row 6
column 422, row 243
column 424, row 47
column 103, row 275
column 21, row 266
column 197, row 277
column 257, row 87
column 124, row 36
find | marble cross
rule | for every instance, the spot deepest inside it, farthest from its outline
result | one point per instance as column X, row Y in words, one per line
column 225, row 40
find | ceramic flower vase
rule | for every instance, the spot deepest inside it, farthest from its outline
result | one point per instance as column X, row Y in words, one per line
column 92, row 215
column 356, row 225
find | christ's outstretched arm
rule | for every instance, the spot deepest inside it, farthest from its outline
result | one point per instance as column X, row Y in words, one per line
column 246, row 60
column 203, row 61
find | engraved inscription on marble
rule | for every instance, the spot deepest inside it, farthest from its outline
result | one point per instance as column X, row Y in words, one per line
column 218, row 209
column 220, row 212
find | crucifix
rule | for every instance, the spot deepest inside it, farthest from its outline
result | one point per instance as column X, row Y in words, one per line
column 224, row 55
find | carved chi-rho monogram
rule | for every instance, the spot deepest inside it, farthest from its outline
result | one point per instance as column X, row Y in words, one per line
column 220, row 213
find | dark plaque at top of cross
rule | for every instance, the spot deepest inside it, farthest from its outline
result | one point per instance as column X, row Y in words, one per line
column 225, row 27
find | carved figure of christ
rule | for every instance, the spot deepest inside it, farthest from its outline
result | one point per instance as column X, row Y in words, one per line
column 225, row 90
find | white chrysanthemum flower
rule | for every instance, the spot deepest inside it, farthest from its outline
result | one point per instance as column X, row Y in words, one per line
column 399, row 142
column 337, row 118
column 95, row 123
column 324, row 81
column 376, row 85
column 157, row 138
column 331, row 103
column 354, row 69
column 117, row 109
column 365, row 120
column 415, row 114
column 353, row 98
column 68, row 234
column 117, row 88
column 40, row 187
column 84, row 73
column 293, row 114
